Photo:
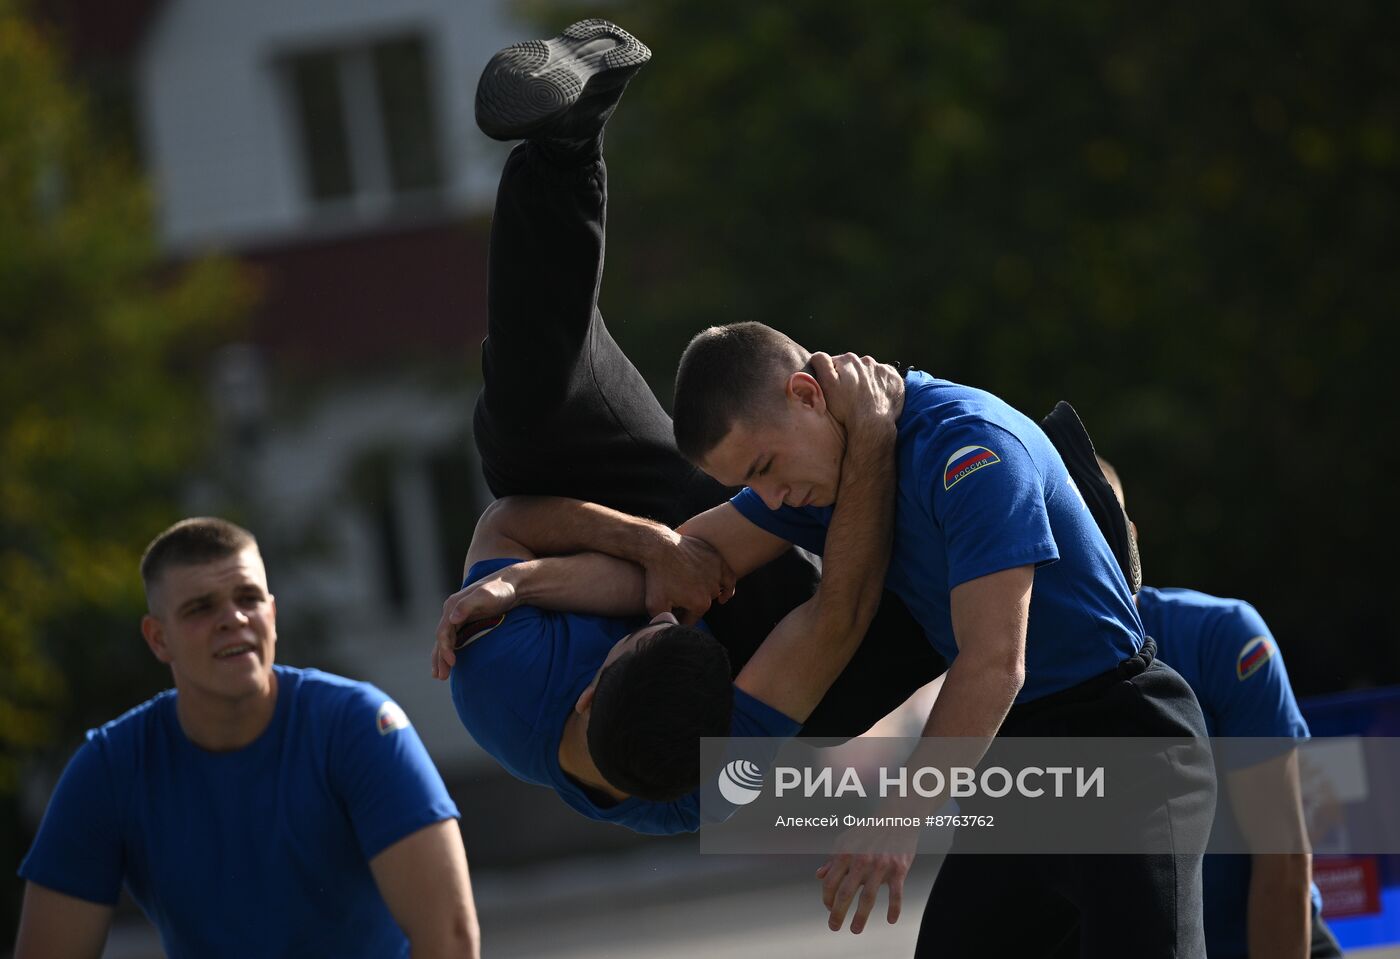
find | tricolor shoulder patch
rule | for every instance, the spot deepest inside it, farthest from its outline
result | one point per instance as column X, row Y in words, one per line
column 473, row 629
column 1255, row 654
column 965, row 461
column 390, row 718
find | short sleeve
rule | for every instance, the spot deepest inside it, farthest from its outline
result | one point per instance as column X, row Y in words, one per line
column 501, row 683
column 385, row 778
column 805, row 527
column 1245, row 680
column 78, row 850
column 988, row 497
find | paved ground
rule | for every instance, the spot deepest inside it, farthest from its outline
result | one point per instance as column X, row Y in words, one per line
column 760, row 911
column 638, row 905
column 678, row 904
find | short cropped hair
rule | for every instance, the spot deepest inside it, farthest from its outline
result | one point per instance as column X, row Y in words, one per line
column 726, row 374
column 190, row 542
column 652, row 706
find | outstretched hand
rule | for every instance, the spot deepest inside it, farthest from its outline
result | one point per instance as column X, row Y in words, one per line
column 486, row 598
column 858, row 390
column 865, row 860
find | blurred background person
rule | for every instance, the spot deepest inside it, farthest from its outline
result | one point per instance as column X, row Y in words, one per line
column 254, row 810
column 1264, row 905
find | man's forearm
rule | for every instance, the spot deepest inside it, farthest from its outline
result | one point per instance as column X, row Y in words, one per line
column 973, row 702
column 858, row 540
column 1280, row 906
column 554, row 525
column 795, row 666
column 582, row 583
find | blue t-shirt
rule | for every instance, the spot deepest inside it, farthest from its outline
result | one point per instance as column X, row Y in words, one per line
column 263, row 851
column 1223, row 649
column 981, row 489
column 516, row 685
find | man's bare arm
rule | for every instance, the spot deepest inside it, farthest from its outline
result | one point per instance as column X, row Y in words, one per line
column 682, row 573
column 1267, row 802
column 989, row 624
column 796, row 664
column 586, row 583
column 53, row 925
column 424, row 881
column 744, row 546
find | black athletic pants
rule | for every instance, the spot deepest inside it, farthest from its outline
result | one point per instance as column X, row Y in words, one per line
column 564, row 413
column 1031, row 906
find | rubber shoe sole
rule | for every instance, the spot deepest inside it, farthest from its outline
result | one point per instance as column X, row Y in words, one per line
column 528, row 89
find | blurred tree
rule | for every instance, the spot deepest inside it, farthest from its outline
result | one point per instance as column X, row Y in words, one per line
column 1177, row 217
column 102, row 411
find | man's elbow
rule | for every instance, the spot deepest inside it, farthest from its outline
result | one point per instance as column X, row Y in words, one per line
column 459, row 939
column 1004, row 666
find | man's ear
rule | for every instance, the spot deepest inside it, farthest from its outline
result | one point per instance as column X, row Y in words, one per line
column 153, row 631
column 585, row 698
column 804, row 389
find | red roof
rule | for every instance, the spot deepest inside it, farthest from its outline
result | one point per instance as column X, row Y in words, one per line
column 347, row 301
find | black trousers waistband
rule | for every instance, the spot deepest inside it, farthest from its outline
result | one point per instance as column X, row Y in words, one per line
column 1090, row 689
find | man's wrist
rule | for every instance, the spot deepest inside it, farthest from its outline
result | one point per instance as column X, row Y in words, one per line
column 521, row 578
column 650, row 543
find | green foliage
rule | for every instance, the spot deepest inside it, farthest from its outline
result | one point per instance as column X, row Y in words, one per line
column 1176, row 217
column 101, row 409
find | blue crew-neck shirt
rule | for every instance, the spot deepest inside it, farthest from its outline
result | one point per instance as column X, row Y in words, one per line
column 515, row 686
column 261, row 851
column 1225, row 652
column 981, row 489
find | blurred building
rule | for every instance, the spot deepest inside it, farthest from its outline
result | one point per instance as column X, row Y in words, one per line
column 330, row 145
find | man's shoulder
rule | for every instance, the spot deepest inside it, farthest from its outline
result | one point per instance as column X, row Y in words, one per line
column 940, row 411
column 1215, row 629
column 136, row 723
column 1177, row 601
column 321, row 692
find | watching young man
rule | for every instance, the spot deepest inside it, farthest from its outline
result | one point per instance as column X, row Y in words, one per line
column 254, row 809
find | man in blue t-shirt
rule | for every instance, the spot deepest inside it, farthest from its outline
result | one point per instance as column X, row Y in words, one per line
column 999, row 558
column 1255, row 906
column 255, row 809
column 541, row 679
column 566, row 685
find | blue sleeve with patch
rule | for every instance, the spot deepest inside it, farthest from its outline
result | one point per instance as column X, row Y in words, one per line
column 989, row 499
column 1245, row 680
column 383, row 775
column 78, row 850
column 805, row 527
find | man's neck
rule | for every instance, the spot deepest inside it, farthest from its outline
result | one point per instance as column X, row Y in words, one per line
column 577, row 763
column 224, row 725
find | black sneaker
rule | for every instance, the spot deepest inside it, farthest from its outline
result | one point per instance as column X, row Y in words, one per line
column 563, row 89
